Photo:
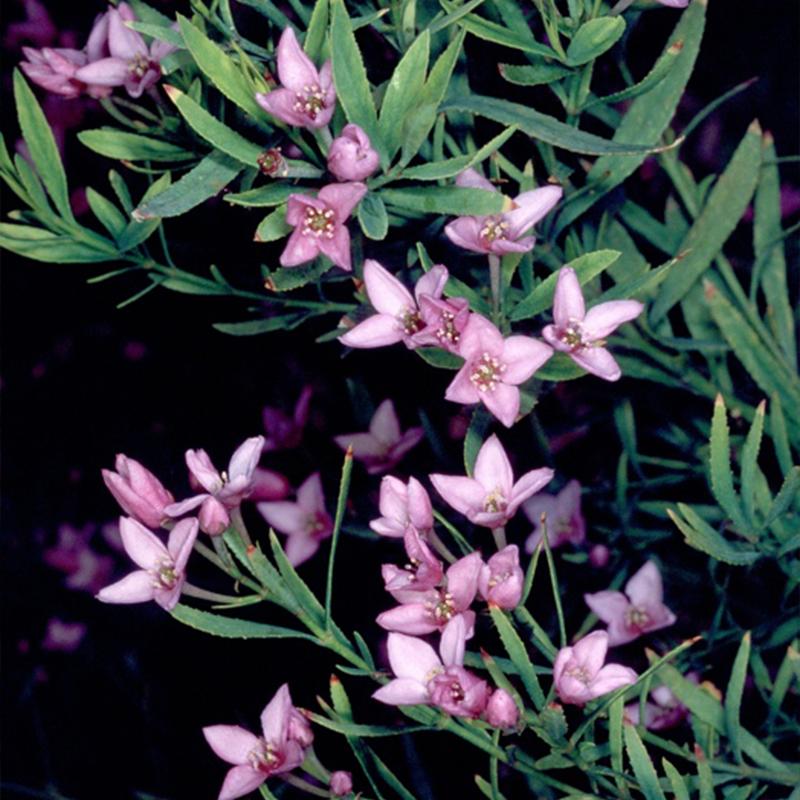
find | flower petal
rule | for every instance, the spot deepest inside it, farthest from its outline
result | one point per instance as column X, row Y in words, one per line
column 337, row 248
column 280, row 103
column 591, row 651
column 605, row 318
column 461, row 388
column 122, row 41
column 472, row 179
column 462, row 493
column 645, row 587
column 610, row 606
column 299, row 548
column 503, row 402
column 462, row 580
column 275, row 716
column 378, row 330
column 411, row 618
column 230, row 742
column 522, row 356
column 384, row 425
column 432, row 282
column 412, row 658
column 299, row 249
column 611, row 677
column 530, row 208
column 240, row 781
column 598, row 361
column 105, row 72
column 342, row 198
column 386, row 293
column 181, row 541
column 365, row 445
column 284, row 516
column 453, row 642
column 466, row 232
column 402, row 692
column 295, row 69
column 492, row 467
column 134, row 588
column 530, row 483
column 245, row 458
column 145, row 549
column 568, row 301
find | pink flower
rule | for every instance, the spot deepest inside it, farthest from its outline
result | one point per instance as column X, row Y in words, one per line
column 501, row 710
column 268, row 485
column 424, row 677
column 501, row 579
column 341, row 783
column 385, row 444
column 351, row 157
column 319, row 224
column 138, row 491
column 665, row 712
column 284, row 432
column 402, row 506
column 492, row 497
column 85, row 569
column 307, row 97
column 565, row 523
column 37, row 27
column 162, row 572
column 444, row 321
column 225, row 490
column 305, row 522
column 580, row 333
column 65, row 637
column 431, row 610
column 494, row 367
column 599, row 556
column 398, row 318
column 501, row 233
column 422, row 572
column 55, row 68
column 579, row 674
column 256, row 758
column 641, row 611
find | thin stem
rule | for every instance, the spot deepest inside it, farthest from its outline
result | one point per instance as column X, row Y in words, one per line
column 304, row 785
column 440, row 547
column 241, row 528
column 499, row 537
column 203, row 594
column 341, row 503
column 620, row 7
column 562, row 630
column 494, row 282
column 208, row 553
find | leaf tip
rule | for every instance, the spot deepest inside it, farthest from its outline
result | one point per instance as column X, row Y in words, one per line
column 755, row 127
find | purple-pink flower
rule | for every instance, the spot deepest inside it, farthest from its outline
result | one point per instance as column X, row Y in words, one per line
column 65, row 637
column 664, row 712
column 138, row 491
column 284, row 432
column 494, row 367
column 256, row 758
column 565, row 523
column 402, row 506
column 305, row 521
column 501, row 233
column 501, row 579
column 307, row 97
column 320, row 224
column 579, row 674
column 384, row 445
column 162, row 568
column 640, row 610
column 421, row 676
column 422, row 572
column 85, row 569
column 55, row 68
column 491, row 497
column 351, row 156
column 501, row 710
column 580, row 333
column 341, row 783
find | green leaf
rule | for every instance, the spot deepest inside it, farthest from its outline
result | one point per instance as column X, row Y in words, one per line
column 616, row 712
column 733, row 695
column 284, row 280
column 720, row 466
column 560, row 367
column 349, row 728
column 254, row 327
column 438, row 357
column 372, row 217
column 125, row 146
column 594, row 38
column 42, row 245
column 476, row 433
column 700, row 535
column 231, row 627
column 676, row 780
column 721, row 214
column 296, row 585
column 41, row 145
column 783, row 500
column 271, row 194
column 455, row 200
column 273, row 226
column 533, row 75
column 519, row 655
column 587, row 266
column 161, row 32
column 317, row 27
column 641, row 286
column 202, row 182
column 643, row 767
column 749, row 463
column 341, row 504
column 108, row 215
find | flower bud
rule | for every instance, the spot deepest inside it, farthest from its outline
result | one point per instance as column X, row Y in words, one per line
column 138, row 491
column 341, row 783
column 501, row 579
column 351, row 157
column 502, row 711
column 213, row 517
column 599, row 556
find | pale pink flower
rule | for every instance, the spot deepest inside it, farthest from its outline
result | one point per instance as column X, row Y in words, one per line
column 162, row 572
column 492, row 497
column 256, row 758
column 664, row 712
column 305, row 521
column 431, row 610
column 640, row 610
column 384, row 445
column 579, row 675
column 565, row 523
column 64, row 637
column 351, row 156
column 398, row 318
column 494, row 367
column 444, row 320
column 501, row 233
column 422, row 572
column 402, row 506
column 307, row 97
column 341, row 783
column 55, row 69
column 501, row 710
column 501, row 579
column 581, row 333
column 138, row 491
column 421, row 676
column 285, row 432
column 319, row 224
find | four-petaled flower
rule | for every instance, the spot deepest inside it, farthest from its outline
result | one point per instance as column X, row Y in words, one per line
column 402, row 506
column 580, row 333
column 640, row 610
column 563, row 518
column 494, row 367
column 501, row 233
column 492, row 497
column 320, row 224
column 162, row 572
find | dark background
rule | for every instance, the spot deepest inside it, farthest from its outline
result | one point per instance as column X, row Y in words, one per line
column 82, row 381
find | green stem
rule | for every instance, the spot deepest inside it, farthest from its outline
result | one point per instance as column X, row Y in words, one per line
column 341, row 503
column 499, row 535
column 440, row 547
column 203, row 594
column 494, row 282
column 241, row 528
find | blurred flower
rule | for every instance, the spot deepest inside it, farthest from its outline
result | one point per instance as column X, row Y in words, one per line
column 351, row 156
column 664, row 712
column 501, row 710
column 305, row 522
column 579, row 674
column 65, row 637
column 402, row 506
column 501, row 579
column 492, row 497
column 599, row 556
column 641, row 611
column 319, row 224
column 580, row 333
column 85, row 569
column 255, row 758
column 565, row 523
column 494, row 367
column 284, row 432
column 422, row 572
column 138, row 491
column 422, row 677
column 501, row 233
column 37, row 27
column 384, row 445
column 674, row 3
column 306, row 98
column 341, row 783
column 162, row 572
column 268, row 485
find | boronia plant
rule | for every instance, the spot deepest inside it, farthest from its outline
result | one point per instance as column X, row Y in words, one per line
column 354, row 131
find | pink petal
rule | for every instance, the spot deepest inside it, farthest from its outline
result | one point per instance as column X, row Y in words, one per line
column 591, row 651
column 611, row 677
column 608, row 605
column 310, row 496
column 462, row 580
column 280, row 103
column 98, row 38
column 181, row 541
column 530, row 483
column 598, row 361
column 411, row 618
column 568, row 302
column 240, row 781
column 337, row 248
column 466, row 232
column 299, row 249
column 551, row 335
column 384, row 425
column 402, row 692
column 379, row 330
column 144, row 548
column 245, row 458
column 285, row 517
column 178, row 509
column 420, row 511
column 461, row 388
column 388, row 527
column 295, row 68
column 645, row 587
column 472, row 179
column 602, row 320
column 492, row 467
column 203, row 470
column 122, row 41
column 411, row 657
column 230, row 742
column 365, row 445
column 462, row 493
column 522, row 356
column 105, row 72
column 275, row 716
column 432, row 282
column 453, row 642
column 409, row 440
column 134, row 588
column 530, row 208
column 342, row 198
column 503, row 402
column 393, row 500
column 386, row 293
column 300, row 547
column 503, row 246
column 480, row 336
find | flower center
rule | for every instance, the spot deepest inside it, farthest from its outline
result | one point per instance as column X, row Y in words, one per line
column 497, row 578
column 447, row 333
column 139, row 65
column 310, row 101
column 271, row 162
column 456, row 692
column 486, row 373
column 572, row 335
column 164, row 575
column 493, row 229
column 442, row 610
column 319, row 223
column 264, row 757
column 495, row 502
column 410, row 321
column 316, row 523
column 578, row 671
column 636, row 618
